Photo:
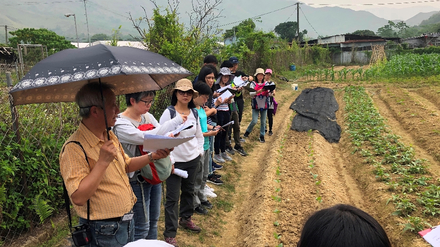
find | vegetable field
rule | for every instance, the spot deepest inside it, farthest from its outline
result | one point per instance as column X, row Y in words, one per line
column 386, row 163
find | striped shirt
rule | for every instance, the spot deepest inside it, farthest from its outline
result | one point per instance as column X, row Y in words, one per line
column 114, row 196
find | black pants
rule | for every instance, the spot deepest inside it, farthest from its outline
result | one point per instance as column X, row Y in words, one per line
column 270, row 117
column 240, row 106
column 220, row 139
column 174, row 185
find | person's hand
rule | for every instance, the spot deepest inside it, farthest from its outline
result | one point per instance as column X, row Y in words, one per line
column 215, row 131
column 240, row 89
column 184, row 117
column 161, row 153
column 215, row 95
column 107, row 153
column 219, row 101
column 260, row 91
column 172, row 169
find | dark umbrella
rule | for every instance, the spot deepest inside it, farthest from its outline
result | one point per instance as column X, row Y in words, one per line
column 59, row 77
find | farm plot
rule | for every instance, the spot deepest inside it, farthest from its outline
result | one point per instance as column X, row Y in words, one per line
column 309, row 174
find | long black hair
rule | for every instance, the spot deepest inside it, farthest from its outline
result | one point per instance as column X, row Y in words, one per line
column 206, row 70
column 174, row 100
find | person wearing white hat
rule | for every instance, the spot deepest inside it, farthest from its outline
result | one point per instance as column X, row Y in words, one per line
column 186, row 157
column 259, row 103
column 223, row 117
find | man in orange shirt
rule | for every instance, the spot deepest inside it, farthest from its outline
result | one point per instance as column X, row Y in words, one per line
column 101, row 178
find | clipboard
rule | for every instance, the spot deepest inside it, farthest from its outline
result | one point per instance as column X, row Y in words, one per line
column 270, row 87
column 247, row 87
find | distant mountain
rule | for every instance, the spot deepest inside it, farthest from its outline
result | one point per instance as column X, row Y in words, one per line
column 105, row 15
column 419, row 18
column 431, row 20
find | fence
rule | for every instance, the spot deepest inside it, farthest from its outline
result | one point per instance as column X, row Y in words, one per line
column 31, row 137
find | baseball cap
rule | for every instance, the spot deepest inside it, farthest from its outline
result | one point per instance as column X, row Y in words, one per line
column 233, row 60
column 268, row 71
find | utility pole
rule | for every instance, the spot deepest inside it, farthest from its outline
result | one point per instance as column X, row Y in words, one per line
column 6, row 34
column 87, row 22
column 297, row 20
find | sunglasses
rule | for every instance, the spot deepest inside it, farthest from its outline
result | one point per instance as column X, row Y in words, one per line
column 185, row 92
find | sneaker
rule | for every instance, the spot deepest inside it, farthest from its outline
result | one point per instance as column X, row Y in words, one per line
column 216, row 166
column 246, row 134
column 230, row 150
column 172, row 241
column 189, row 224
column 262, row 139
column 216, row 175
column 270, row 132
column 209, row 193
column 241, row 151
column 226, row 157
column 201, row 210
column 242, row 140
column 214, row 180
column 209, row 188
column 206, row 204
column 218, row 158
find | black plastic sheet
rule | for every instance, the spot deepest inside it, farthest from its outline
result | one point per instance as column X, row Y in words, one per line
column 316, row 110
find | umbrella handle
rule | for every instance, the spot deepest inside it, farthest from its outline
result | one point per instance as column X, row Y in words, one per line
column 103, row 108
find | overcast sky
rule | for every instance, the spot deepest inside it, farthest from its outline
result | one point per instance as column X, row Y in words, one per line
column 388, row 9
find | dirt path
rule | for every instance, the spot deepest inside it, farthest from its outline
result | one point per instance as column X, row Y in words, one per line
column 268, row 195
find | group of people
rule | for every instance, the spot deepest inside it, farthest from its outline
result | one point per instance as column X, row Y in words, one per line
column 115, row 186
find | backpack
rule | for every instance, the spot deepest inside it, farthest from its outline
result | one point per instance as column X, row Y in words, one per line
column 173, row 113
column 158, row 171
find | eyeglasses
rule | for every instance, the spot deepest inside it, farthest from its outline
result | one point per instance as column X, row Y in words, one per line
column 185, row 92
column 147, row 102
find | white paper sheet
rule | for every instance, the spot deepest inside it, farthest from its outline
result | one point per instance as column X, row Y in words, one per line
column 225, row 95
column 433, row 237
column 183, row 126
column 222, row 89
column 238, row 82
column 232, row 122
column 156, row 142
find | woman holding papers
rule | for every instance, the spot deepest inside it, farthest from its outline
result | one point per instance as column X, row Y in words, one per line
column 223, row 114
column 272, row 103
column 186, row 157
column 260, row 103
column 147, row 207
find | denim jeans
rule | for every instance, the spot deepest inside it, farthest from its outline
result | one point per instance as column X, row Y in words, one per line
column 147, row 208
column 211, row 150
column 254, row 121
column 110, row 233
column 201, row 177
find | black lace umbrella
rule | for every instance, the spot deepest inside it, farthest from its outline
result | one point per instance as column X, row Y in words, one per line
column 59, row 77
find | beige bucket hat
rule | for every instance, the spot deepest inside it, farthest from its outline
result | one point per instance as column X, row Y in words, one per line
column 259, row 71
column 185, row 85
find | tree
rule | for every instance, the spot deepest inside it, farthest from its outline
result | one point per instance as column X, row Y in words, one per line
column 50, row 39
column 364, row 33
column 99, row 36
column 241, row 29
column 289, row 31
column 392, row 29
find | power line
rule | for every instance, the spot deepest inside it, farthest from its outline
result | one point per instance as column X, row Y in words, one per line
column 33, row 3
column 253, row 17
column 372, row 4
column 308, row 21
column 291, row 15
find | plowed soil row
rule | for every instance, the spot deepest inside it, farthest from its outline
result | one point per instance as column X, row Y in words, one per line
column 271, row 192
column 260, row 191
